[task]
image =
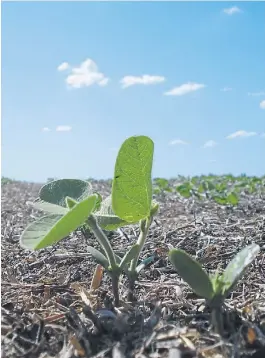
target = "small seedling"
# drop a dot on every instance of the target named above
(213, 288)
(71, 204)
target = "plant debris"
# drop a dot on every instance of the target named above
(50, 308)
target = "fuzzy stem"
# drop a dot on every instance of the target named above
(144, 227)
(102, 239)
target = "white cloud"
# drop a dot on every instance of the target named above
(178, 142)
(63, 66)
(263, 135)
(128, 81)
(226, 89)
(232, 10)
(86, 75)
(212, 160)
(184, 89)
(209, 144)
(262, 104)
(256, 94)
(241, 134)
(63, 129)
(45, 129)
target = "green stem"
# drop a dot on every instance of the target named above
(102, 239)
(144, 227)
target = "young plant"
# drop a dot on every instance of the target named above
(70, 204)
(213, 288)
(161, 186)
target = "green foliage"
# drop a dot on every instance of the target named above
(5, 180)
(132, 183)
(185, 189)
(224, 190)
(237, 267)
(192, 272)
(56, 191)
(70, 204)
(213, 288)
(106, 217)
(48, 230)
(161, 185)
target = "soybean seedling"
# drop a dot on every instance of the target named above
(70, 204)
(213, 288)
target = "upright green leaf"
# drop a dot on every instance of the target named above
(48, 230)
(237, 267)
(132, 183)
(56, 191)
(191, 272)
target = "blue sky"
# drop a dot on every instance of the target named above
(79, 78)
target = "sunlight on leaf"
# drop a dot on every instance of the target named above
(48, 230)
(132, 184)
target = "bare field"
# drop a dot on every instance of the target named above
(48, 309)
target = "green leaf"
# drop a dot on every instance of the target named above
(220, 200)
(237, 267)
(106, 218)
(232, 198)
(161, 183)
(201, 188)
(130, 254)
(132, 184)
(210, 185)
(191, 272)
(48, 230)
(99, 257)
(70, 203)
(98, 203)
(48, 207)
(184, 190)
(56, 191)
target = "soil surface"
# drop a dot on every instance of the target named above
(49, 309)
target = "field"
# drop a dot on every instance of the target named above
(49, 308)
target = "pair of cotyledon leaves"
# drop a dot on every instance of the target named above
(69, 202)
(204, 286)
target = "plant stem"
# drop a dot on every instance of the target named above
(102, 239)
(131, 284)
(115, 289)
(144, 227)
(217, 320)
